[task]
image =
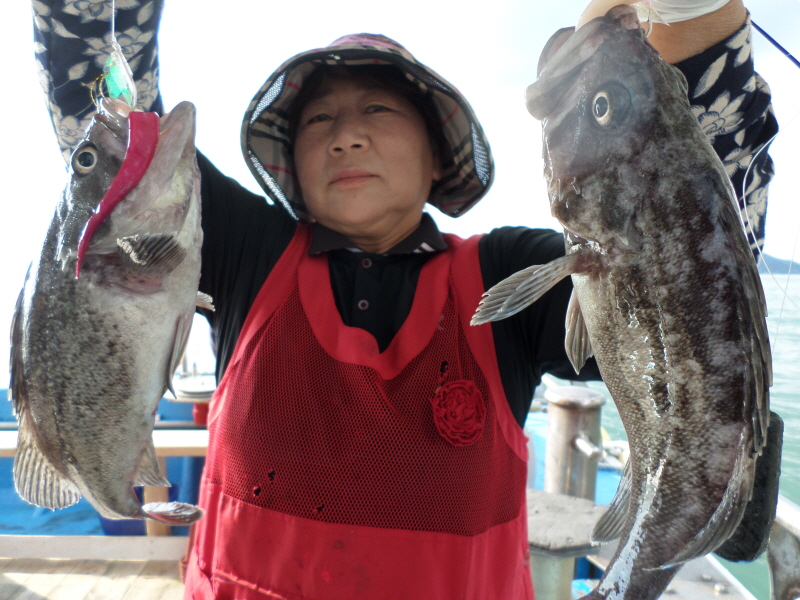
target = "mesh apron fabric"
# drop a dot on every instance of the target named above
(337, 443)
(326, 480)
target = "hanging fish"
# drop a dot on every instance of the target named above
(667, 296)
(104, 315)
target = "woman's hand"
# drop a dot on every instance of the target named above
(691, 25)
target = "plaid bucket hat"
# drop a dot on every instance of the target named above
(468, 170)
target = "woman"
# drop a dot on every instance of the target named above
(365, 442)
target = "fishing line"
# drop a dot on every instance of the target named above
(746, 221)
(774, 42)
(117, 74)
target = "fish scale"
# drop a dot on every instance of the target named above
(666, 295)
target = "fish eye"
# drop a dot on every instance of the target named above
(84, 159)
(600, 107)
(611, 104)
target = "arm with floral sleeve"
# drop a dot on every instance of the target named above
(732, 103)
(710, 42)
(72, 41)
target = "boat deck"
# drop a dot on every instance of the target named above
(49, 579)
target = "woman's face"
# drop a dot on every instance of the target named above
(364, 162)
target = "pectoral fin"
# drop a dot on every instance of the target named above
(154, 255)
(577, 342)
(205, 301)
(522, 289)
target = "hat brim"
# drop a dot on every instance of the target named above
(469, 169)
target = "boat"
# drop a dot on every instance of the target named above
(81, 555)
(72, 554)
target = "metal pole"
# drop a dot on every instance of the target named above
(573, 441)
(573, 452)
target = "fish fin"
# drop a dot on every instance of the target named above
(728, 515)
(183, 326)
(174, 513)
(522, 289)
(759, 374)
(35, 478)
(17, 391)
(753, 327)
(577, 342)
(205, 301)
(610, 525)
(148, 472)
(154, 255)
(752, 535)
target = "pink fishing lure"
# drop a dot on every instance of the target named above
(143, 130)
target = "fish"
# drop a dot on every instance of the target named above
(104, 315)
(666, 295)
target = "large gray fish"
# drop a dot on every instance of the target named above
(667, 295)
(93, 354)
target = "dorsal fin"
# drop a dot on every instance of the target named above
(35, 478)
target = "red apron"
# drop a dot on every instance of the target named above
(336, 472)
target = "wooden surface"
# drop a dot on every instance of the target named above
(42, 579)
(560, 526)
(168, 442)
(93, 547)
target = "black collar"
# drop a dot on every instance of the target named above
(425, 238)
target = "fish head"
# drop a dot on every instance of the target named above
(92, 213)
(606, 100)
(92, 167)
(164, 188)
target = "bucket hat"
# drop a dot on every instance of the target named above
(267, 149)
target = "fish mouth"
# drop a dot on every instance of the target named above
(113, 115)
(175, 140)
(576, 240)
(155, 148)
(563, 199)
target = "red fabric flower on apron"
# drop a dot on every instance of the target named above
(459, 412)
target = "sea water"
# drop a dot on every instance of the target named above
(783, 304)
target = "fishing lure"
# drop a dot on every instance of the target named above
(143, 129)
(118, 76)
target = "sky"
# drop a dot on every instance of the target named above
(218, 58)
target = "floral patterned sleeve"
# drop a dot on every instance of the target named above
(72, 41)
(732, 103)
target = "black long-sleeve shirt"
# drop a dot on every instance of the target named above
(245, 237)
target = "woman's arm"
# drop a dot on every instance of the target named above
(691, 26)
(72, 45)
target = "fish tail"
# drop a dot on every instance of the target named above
(173, 513)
